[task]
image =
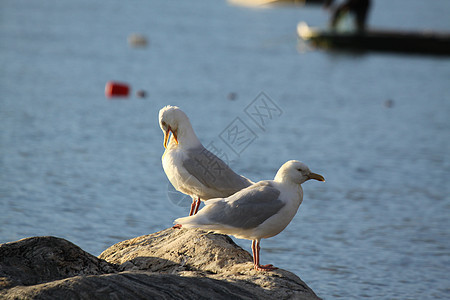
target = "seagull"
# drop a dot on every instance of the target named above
(190, 167)
(257, 212)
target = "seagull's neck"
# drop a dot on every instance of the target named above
(282, 178)
(293, 192)
(289, 184)
(187, 137)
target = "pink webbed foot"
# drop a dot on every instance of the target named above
(177, 226)
(255, 249)
(265, 268)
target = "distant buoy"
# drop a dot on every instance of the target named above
(137, 40)
(116, 89)
(389, 103)
(141, 94)
(232, 96)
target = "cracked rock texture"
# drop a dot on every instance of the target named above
(170, 264)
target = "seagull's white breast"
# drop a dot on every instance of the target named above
(172, 162)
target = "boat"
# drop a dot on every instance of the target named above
(418, 42)
(272, 3)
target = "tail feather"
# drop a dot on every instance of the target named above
(191, 221)
(205, 224)
(183, 221)
(197, 221)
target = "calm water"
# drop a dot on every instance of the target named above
(78, 166)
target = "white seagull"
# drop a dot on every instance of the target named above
(190, 167)
(257, 212)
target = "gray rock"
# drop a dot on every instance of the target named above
(42, 259)
(170, 264)
(134, 285)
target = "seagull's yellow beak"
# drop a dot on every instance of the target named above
(316, 177)
(167, 134)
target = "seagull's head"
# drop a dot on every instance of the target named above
(169, 121)
(173, 120)
(296, 172)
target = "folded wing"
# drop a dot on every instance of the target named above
(212, 172)
(246, 209)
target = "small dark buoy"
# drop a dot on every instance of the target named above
(232, 96)
(116, 89)
(389, 103)
(141, 94)
(137, 40)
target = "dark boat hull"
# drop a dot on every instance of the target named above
(379, 40)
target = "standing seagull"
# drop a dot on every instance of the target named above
(260, 211)
(191, 168)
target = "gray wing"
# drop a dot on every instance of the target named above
(212, 172)
(247, 208)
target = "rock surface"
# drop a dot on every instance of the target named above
(42, 259)
(170, 264)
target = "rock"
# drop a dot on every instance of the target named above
(171, 251)
(42, 259)
(170, 264)
(133, 285)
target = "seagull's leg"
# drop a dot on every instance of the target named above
(191, 212)
(197, 205)
(259, 267)
(178, 226)
(254, 252)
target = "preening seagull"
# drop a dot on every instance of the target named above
(259, 211)
(190, 167)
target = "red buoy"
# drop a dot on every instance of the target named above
(116, 89)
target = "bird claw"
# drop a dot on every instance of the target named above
(265, 268)
(177, 226)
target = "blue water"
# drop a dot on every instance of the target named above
(79, 166)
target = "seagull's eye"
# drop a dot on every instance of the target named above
(300, 170)
(163, 123)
